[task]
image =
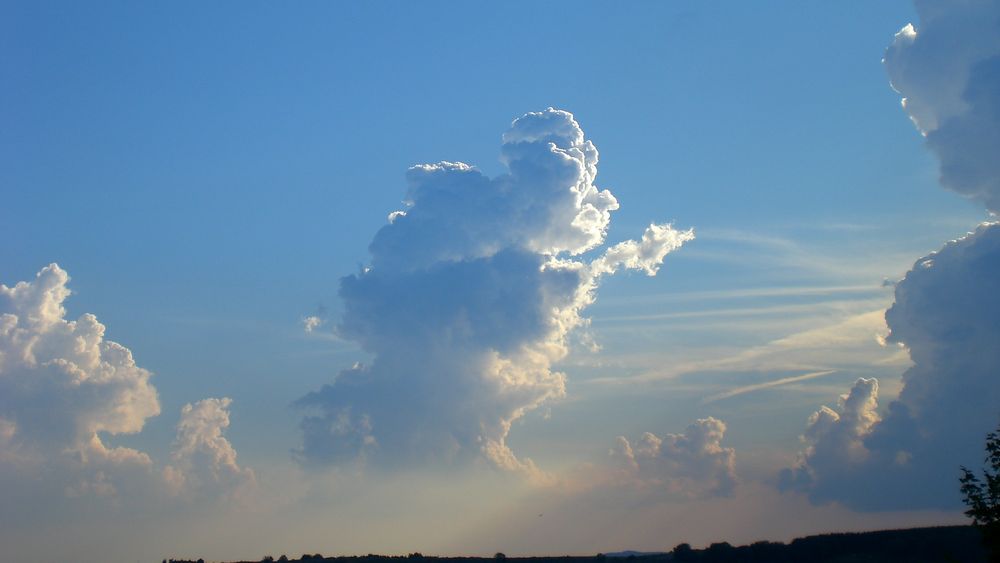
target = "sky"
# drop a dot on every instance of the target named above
(387, 277)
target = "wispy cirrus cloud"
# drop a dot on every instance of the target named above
(766, 385)
(855, 341)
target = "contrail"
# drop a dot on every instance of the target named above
(765, 385)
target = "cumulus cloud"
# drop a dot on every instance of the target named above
(948, 72)
(468, 299)
(62, 386)
(64, 389)
(945, 313)
(202, 458)
(646, 254)
(311, 323)
(946, 308)
(692, 464)
(834, 438)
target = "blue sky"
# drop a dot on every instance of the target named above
(206, 174)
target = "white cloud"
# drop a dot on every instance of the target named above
(62, 386)
(203, 459)
(948, 72)
(311, 323)
(468, 300)
(692, 464)
(64, 389)
(645, 255)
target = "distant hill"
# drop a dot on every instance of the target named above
(959, 544)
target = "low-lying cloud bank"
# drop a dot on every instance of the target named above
(64, 389)
(468, 300)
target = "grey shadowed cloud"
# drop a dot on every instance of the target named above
(471, 292)
(948, 72)
(946, 308)
(946, 314)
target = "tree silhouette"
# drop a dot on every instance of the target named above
(683, 552)
(982, 496)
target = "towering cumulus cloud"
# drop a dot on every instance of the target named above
(948, 72)
(202, 457)
(471, 292)
(62, 385)
(947, 314)
(947, 308)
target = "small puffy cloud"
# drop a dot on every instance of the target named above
(948, 72)
(645, 255)
(62, 386)
(311, 323)
(468, 300)
(692, 464)
(202, 458)
(945, 313)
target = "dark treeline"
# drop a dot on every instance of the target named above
(962, 544)
(940, 544)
